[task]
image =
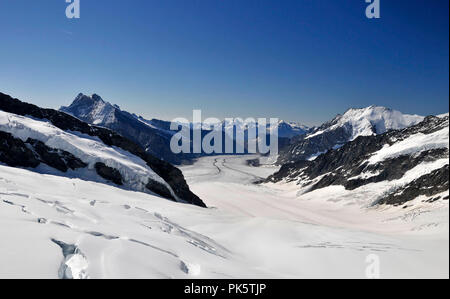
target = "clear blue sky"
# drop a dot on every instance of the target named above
(299, 60)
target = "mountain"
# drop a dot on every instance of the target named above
(155, 135)
(393, 168)
(51, 141)
(291, 129)
(343, 128)
(285, 129)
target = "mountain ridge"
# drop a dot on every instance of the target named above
(155, 135)
(64, 125)
(415, 157)
(344, 128)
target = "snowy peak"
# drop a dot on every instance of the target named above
(92, 109)
(369, 121)
(84, 100)
(97, 98)
(372, 120)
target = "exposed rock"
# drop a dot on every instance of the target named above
(109, 173)
(429, 185)
(388, 170)
(302, 148)
(15, 153)
(159, 188)
(55, 158)
(253, 162)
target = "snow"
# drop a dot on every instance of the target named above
(134, 171)
(362, 121)
(76, 265)
(250, 231)
(413, 144)
(230, 190)
(365, 175)
(315, 134)
(365, 195)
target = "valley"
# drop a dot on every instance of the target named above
(247, 231)
(80, 201)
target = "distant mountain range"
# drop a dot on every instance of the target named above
(296, 142)
(50, 141)
(155, 135)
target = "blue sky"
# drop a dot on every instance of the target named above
(299, 60)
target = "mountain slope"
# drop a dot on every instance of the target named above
(391, 168)
(343, 128)
(32, 135)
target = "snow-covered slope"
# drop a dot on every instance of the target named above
(347, 127)
(134, 171)
(57, 227)
(54, 142)
(392, 168)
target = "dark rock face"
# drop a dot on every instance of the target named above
(302, 149)
(388, 170)
(16, 153)
(55, 158)
(109, 173)
(438, 179)
(253, 162)
(172, 175)
(159, 188)
(343, 166)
